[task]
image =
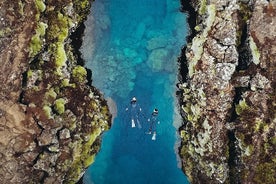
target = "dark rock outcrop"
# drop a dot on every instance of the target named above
(227, 94)
(51, 119)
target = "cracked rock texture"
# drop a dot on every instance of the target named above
(227, 92)
(51, 118)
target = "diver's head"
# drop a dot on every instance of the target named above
(133, 100)
(155, 111)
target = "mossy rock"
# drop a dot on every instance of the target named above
(242, 106)
(59, 106)
(40, 5)
(37, 39)
(265, 173)
(79, 73)
(48, 111)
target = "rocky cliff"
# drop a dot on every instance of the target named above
(227, 92)
(51, 118)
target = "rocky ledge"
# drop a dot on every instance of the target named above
(227, 92)
(51, 118)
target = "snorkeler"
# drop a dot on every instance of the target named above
(135, 110)
(153, 120)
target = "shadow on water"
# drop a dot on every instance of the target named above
(132, 49)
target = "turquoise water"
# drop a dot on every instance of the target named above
(132, 49)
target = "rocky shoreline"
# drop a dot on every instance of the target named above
(227, 92)
(51, 116)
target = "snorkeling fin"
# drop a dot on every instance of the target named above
(153, 137)
(139, 125)
(132, 123)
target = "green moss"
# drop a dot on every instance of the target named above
(202, 8)
(74, 172)
(197, 28)
(51, 94)
(61, 57)
(72, 125)
(66, 83)
(83, 7)
(105, 110)
(82, 155)
(245, 11)
(249, 150)
(89, 161)
(40, 8)
(36, 45)
(48, 111)
(59, 105)
(60, 25)
(198, 41)
(266, 128)
(241, 107)
(37, 39)
(40, 5)
(259, 125)
(5, 32)
(194, 100)
(254, 51)
(58, 32)
(21, 8)
(183, 135)
(63, 23)
(265, 173)
(79, 73)
(29, 74)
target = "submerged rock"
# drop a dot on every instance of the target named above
(227, 93)
(157, 59)
(51, 118)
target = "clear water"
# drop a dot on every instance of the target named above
(132, 49)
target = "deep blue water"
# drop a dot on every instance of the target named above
(132, 49)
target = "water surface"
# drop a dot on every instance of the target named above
(132, 49)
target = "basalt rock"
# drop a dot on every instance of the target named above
(227, 92)
(51, 118)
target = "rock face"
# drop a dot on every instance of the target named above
(51, 118)
(227, 92)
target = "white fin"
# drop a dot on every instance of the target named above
(132, 123)
(153, 137)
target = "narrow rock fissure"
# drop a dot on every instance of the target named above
(244, 58)
(233, 161)
(244, 53)
(234, 151)
(76, 42)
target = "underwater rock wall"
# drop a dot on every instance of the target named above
(51, 118)
(227, 92)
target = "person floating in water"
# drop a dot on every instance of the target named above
(153, 120)
(135, 111)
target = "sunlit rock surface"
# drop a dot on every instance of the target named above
(227, 92)
(50, 116)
